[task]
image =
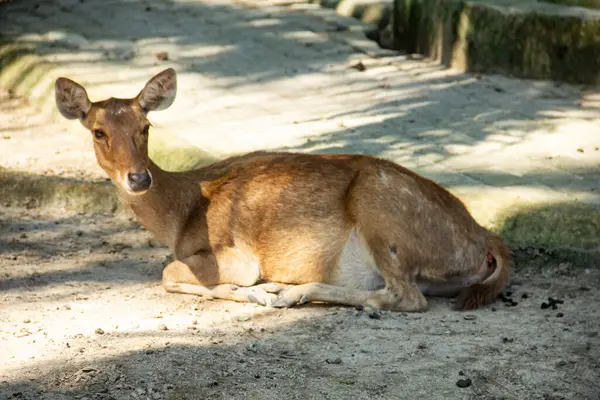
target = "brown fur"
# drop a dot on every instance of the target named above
(485, 292)
(347, 229)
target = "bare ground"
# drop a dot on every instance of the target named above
(83, 315)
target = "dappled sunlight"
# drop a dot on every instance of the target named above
(126, 320)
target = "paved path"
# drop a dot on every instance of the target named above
(255, 75)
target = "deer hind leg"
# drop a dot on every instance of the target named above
(323, 292)
(384, 299)
(403, 292)
(200, 275)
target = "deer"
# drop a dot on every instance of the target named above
(283, 229)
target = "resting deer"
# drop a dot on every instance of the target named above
(282, 229)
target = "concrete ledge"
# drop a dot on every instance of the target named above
(570, 227)
(376, 12)
(578, 3)
(528, 40)
(35, 191)
(28, 75)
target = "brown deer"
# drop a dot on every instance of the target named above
(282, 229)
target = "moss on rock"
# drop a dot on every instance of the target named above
(524, 40)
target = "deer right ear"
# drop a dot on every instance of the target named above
(71, 99)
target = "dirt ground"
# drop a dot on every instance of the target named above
(83, 315)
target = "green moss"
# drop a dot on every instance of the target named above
(24, 72)
(565, 225)
(487, 37)
(577, 3)
(172, 153)
(19, 188)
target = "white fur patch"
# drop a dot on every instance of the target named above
(357, 268)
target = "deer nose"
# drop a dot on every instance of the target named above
(139, 181)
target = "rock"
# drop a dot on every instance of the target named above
(162, 327)
(99, 331)
(463, 383)
(359, 66)
(336, 360)
(375, 315)
(470, 317)
(162, 56)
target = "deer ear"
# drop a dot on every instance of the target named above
(71, 99)
(159, 93)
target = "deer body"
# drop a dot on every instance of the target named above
(282, 228)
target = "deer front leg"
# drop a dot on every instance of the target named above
(201, 275)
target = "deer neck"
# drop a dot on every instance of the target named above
(163, 209)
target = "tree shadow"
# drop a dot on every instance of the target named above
(449, 128)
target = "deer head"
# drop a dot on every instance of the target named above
(120, 127)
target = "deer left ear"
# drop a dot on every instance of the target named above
(159, 93)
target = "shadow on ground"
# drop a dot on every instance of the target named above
(221, 40)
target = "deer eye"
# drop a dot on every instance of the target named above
(99, 134)
(146, 131)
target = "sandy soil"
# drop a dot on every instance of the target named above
(83, 315)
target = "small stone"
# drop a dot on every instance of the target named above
(580, 150)
(375, 315)
(79, 233)
(463, 383)
(561, 363)
(336, 360)
(507, 340)
(460, 373)
(99, 331)
(524, 296)
(359, 66)
(560, 315)
(470, 317)
(162, 56)
(544, 306)
(243, 318)
(27, 321)
(163, 327)
(23, 236)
